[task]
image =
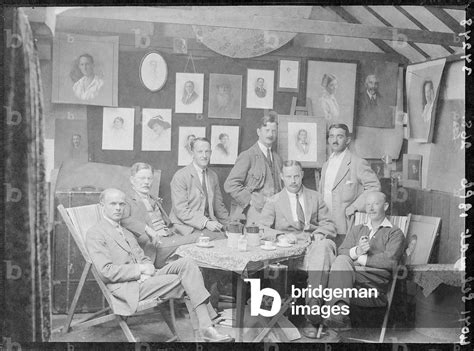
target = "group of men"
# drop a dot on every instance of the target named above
(265, 191)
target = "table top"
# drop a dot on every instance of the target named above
(230, 259)
(430, 276)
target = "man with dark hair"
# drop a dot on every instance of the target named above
(196, 197)
(345, 179)
(302, 214)
(366, 259)
(130, 275)
(255, 175)
(88, 85)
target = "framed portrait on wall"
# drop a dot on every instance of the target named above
(423, 80)
(288, 76)
(189, 92)
(153, 71)
(260, 88)
(412, 170)
(118, 128)
(225, 96)
(302, 138)
(185, 136)
(85, 70)
(156, 129)
(224, 144)
(331, 86)
(70, 142)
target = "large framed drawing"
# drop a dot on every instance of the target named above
(85, 70)
(225, 96)
(331, 88)
(156, 129)
(189, 92)
(224, 144)
(185, 136)
(302, 138)
(260, 88)
(153, 71)
(423, 81)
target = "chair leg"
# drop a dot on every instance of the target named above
(126, 329)
(193, 318)
(77, 294)
(170, 319)
(389, 305)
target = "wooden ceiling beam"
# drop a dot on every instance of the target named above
(211, 17)
(444, 17)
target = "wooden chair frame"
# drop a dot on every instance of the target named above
(107, 314)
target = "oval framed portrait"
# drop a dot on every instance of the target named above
(153, 71)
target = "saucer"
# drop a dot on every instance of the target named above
(284, 245)
(208, 245)
(268, 248)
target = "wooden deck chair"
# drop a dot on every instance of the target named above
(78, 221)
(402, 222)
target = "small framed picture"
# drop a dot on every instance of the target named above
(288, 76)
(225, 96)
(153, 71)
(156, 129)
(117, 129)
(224, 144)
(189, 92)
(185, 136)
(412, 170)
(260, 88)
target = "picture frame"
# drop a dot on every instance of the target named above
(185, 134)
(412, 171)
(260, 88)
(422, 85)
(70, 142)
(378, 168)
(85, 70)
(153, 71)
(288, 75)
(189, 93)
(290, 139)
(330, 100)
(156, 129)
(225, 96)
(224, 144)
(118, 128)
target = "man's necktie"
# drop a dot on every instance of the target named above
(204, 188)
(269, 157)
(299, 212)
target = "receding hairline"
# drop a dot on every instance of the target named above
(107, 192)
(377, 193)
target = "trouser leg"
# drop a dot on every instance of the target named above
(342, 275)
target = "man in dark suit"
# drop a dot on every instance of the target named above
(373, 109)
(130, 275)
(146, 218)
(189, 94)
(302, 214)
(366, 258)
(255, 176)
(197, 204)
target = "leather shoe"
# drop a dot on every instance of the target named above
(210, 334)
(309, 330)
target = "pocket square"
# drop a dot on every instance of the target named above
(349, 182)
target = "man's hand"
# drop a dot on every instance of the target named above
(257, 200)
(159, 224)
(154, 235)
(214, 226)
(363, 246)
(309, 227)
(291, 238)
(143, 277)
(147, 269)
(350, 210)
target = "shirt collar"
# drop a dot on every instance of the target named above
(371, 96)
(198, 169)
(115, 224)
(341, 155)
(263, 148)
(300, 193)
(385, 223)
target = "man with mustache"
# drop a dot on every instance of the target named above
(345, 179)
(255, 175)
(196, 197)
(301, 214)
(373, 109)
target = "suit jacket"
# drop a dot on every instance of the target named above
(248, 176)
(188, 200)
(386, 246)
(189, 99)
(117, 261)
(277, 213)
(353, 180)
(136, 218)
(374, 113)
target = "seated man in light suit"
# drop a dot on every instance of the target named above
(301, 210)
(366, 258)
(130, 275)
(146, 218)
(197, 204)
